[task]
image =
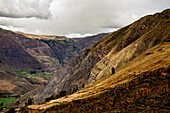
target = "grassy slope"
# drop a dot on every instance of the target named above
(43, 36)
(147, 92)
(159, 58)
(151, 31)
(6, 101)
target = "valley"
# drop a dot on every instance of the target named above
(123, 71)
(27, 63)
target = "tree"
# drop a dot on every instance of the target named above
(113, 70)
(49, 98)
(12, 110)
(30, 101)
(2, 104)
(17, 103)
(62, 93)
(33, 72)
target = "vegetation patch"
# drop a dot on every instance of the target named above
(147, 92)
(31, 74)
(4, 102)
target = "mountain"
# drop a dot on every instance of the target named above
(29, 61)
(13, 55)
(141, 47)
(141, 85)
(57, 50)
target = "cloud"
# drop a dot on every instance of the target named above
(25, 8)
(76, 17)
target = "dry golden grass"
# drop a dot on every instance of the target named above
(158, 58)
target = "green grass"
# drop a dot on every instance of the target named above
(46, 75)
(6, 101)
(41, 75)
(22, 73)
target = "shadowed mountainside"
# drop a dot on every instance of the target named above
(56, 51)
(13, 55)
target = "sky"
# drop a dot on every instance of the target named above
(74, 18)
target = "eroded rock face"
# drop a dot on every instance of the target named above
(156, 32)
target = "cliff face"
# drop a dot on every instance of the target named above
(115, 50)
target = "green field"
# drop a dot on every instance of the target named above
(38, 74)
(6, 101)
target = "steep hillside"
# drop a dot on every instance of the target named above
(55, 51)
(13, 55)
(29, 61)
(12, 83)
(156, 34)
(140, 85)
(111, 53)
(148, 92)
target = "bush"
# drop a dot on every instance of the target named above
(49, 98)
(23, 110)
(1, 104)
(52, 97)
(30, 101)
(33, 72)
(12, 110)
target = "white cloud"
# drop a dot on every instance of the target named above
(25, 8)
(76, 17)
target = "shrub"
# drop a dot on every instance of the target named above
(33, 72)
(12, 110)
(30, 101)
(49, 98)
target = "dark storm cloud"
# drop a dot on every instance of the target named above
(25, 8)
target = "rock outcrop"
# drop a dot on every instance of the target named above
(150, 30)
